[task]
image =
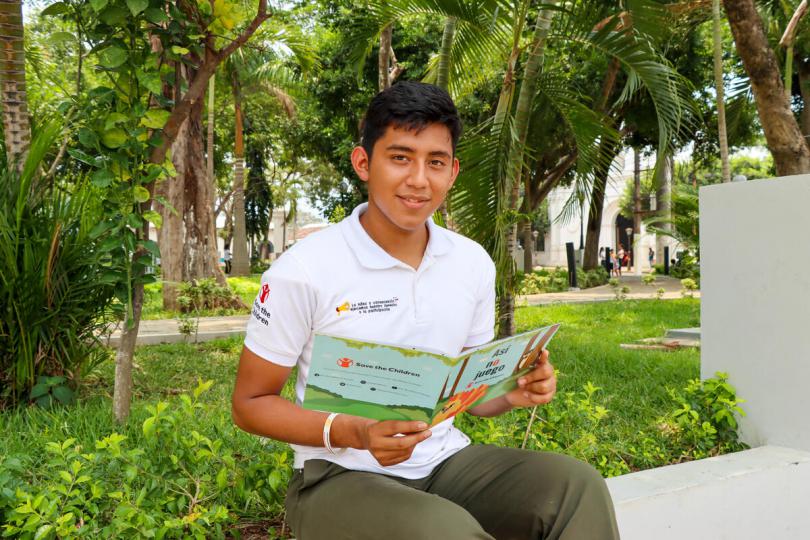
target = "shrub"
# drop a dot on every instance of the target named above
(689, 287)
(204, 294)
(56, 283)
(704, 424)
(180, 477)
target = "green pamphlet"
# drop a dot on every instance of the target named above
(386, 382)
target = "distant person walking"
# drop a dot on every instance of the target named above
(619, 260)
(651, 256)
(226, 256)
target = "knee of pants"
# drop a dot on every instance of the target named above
(572, 480)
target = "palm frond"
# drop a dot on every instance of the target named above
(647, 69)
(483, 31)
(478, 197)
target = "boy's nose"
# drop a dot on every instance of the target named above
(418, 176)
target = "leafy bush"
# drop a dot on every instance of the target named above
(205, 294)
(56, 284)
(179, 478)
(704, 424)
(689, 287)
(701, 424)
(556, 280)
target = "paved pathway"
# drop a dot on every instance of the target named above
(165, 330)
(638, 291)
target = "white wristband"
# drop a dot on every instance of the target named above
(327, 426)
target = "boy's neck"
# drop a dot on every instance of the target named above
(406, 246)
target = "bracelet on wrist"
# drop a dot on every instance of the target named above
(327, 427)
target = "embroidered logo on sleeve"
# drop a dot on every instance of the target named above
(364, 307)
(264, 293)
(259, 312)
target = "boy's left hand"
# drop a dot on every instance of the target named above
(537, 387)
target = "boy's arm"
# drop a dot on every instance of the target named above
(535, 388)
(257, 407)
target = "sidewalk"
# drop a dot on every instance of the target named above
(165, 330)
(638, 291)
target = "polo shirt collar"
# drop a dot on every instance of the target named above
(371, 255)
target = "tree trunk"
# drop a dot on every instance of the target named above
(209, 147)
(663, 198)
(442, 81)
(804, 88)
(187, 239)
(241, 260)
(122, 387)
(201, 255)
(791, 154)
(16, 124)
(636, 254)
(525, 226)
(171, 233)
(384, 58)
(528, 86)
(443, 72)
(594, 227)
(717, 39)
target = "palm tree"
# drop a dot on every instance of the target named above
(16, 124)
(791, 154)
(717, 41)
(259, 68)
(486, 197)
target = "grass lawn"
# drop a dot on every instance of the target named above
(633, 383)
(586, 350)
(246, 287)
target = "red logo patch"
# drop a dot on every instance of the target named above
(345, 362)
(265, 293)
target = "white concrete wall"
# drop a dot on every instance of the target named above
(755, 307)
(762, 493)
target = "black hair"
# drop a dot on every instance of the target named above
(409, 105)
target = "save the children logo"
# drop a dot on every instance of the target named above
(264, 293)
(345, 362)
(364, 307)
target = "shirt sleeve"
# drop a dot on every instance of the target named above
(482, 329)
(280, 323)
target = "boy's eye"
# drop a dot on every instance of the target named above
(437, 163)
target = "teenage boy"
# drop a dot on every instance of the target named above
(357, 478)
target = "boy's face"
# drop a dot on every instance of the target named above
(409, 173)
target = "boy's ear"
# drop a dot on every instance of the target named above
(360, 162)
(454, 173)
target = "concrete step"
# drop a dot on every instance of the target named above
(757, 493)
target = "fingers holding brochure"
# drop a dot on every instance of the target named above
(393, 441)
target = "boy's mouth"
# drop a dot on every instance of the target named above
(414, 203)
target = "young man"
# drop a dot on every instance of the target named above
(357, 478)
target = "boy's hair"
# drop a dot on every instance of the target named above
(409, 105)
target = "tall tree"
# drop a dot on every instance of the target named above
(785, 140)
(180, 110)
(717, 42)
(16, 124)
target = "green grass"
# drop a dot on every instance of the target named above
(586, 349)
(245, 287)
(633, 382)
(633, 389)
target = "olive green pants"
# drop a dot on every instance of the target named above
(480, 492)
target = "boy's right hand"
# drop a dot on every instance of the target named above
(383, 441)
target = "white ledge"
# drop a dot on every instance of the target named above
(758, 493)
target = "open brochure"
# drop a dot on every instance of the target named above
(386, 382)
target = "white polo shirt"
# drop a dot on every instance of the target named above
(338, 281)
